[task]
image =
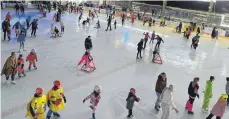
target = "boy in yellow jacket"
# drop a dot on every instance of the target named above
(56, 100)
(37, 106)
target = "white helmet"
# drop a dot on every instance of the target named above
(97, 88)
(33, 50)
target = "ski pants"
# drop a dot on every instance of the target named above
(32, 63)
(189, 104)
(129, 112)
(157, 104)
(211, 115)
(206, 102)
(165, 111)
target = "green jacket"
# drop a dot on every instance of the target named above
(208, 89)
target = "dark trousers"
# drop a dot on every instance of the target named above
(115, 26)
(22, 45)
(146, 39)
(158, 44)
(12, 77)
(8, 35)
(123, 22)
(17, 12)
(33, 32)
(129, 112)
(108, 25)
(191, 100)
(62, 29)
(139, 53)
(228, 100)
(211, 115)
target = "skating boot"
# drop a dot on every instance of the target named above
(29, 68)
(13, 82)
(56, 115)
(190, 112)
(141, 57)
(157, 108)
(35, 67)
(205, 109)
(130, 116)
(24, 74)
(93, 115)
(91, 107)
(48, 117)
(19, 76)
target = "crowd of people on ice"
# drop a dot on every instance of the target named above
(55, 98)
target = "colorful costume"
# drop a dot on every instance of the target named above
(20, 67)
(207, 94)
(37, 105)
(32, 57)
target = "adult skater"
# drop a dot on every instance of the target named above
(115, 23)
(56, 100)
(123, 18)
(21, 39)
(227, 90)
(37, 105)
(207, 93)
(109, 22)
(6, 29)
(213, 34)
(167, 102)
(146, 36)
(94, 99)
(193, 93)
(180, 27)
(88, 44)
(131, 98)
(28, 19)
(159, 39)
(198, 30)
(159, 87)
(9, 68)
(219, 108)
(140, 47)
(34, 27)
(17, 7)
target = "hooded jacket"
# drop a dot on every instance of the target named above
(167, 97)
(161, 84)
(208, 89)
(130, 100)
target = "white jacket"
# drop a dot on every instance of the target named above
(167, 97)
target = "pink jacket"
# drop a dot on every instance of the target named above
(94, 100)
(219, 108)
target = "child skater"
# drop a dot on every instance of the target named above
(192, 92)
(32, 57)
(219, 108)
(94, 99)
(207, 93)
(130, 101)
(152, 37)
(21, 39)
(20, 66)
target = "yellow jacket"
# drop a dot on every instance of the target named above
(56, 99)
(37, 106)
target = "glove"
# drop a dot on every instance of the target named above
(65, 99)
(198, 96)
(176, 110)
(84, 100)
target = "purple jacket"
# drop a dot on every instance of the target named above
(219, 108)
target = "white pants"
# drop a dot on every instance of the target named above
(165, 111)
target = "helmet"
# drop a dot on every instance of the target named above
(33, 50)
(20, 55)
(225, 96)
(97, 88)
(39, 90)
(56, 83)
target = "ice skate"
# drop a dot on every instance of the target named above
(13, 82)
(56, 115)
(35, 67)
(29, 68)
(157, 108)
(130, 116)
(93, 115)
(205, 109)
(190, 112)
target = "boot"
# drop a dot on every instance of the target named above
(56, 115)
(35, 67)
(190, 112)
(29, 68)
(93, 115)
(157, 108)
(48, 117)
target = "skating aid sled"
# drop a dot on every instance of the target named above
(88, 65)
(157, 59)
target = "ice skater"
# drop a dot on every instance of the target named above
(227, 90)
(20, 66)
(115, 23)
(88, 44)
(166, 99)
(17, 27)
(160, 86)
(131, 98)
(6, 29)
(193, 93)
(152, 37)
(109, 22)
(56, 100)
(94, 99)
(140, 47)
(207, 93)
(21, 39)
(194, 40)
(32, 58)
(159, 40)
(62, 26)
(145, 39)
(97, 25)
(34, 27)
(219, 108)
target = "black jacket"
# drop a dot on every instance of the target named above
(88, 43)
(5, 26)
(192, 91)
(140, 45)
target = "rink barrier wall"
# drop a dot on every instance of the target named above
(170, 24)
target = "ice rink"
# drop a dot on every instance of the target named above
(114, 54)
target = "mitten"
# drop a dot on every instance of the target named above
(65, 99)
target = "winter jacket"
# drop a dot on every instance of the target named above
(130, 100)
(140, 45)
(88, 43)
(31, 57)
(227, 88)
(219, 108)
(95, 97)
(5, 26)
(167, 97)
(193, 90)
(17, 25)
(208, 89)
(10, 66)
(160, 84)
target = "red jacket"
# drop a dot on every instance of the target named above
(31, 57)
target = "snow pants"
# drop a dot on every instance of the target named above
(206, 102)
(165, 111)
(189, 104)
(32, 63)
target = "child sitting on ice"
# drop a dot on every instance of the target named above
(20, 66)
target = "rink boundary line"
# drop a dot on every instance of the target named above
(69, 88)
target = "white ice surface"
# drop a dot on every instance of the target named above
(117, 71)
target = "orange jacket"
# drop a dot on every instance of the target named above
(20, 61)
(31, 57)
